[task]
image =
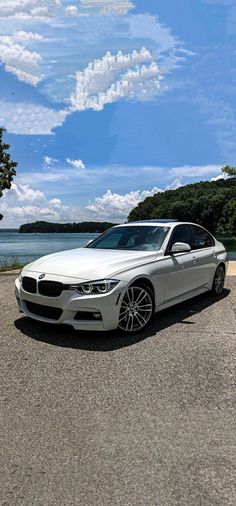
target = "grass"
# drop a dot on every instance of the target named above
(11, 265)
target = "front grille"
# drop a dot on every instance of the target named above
(52, 313)
(29, 284)
(50, 288)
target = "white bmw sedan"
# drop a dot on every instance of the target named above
(124, 276)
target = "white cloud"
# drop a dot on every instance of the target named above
(23, 193)
(111, 206)
(72, 10)
(49, 161)
(27, 36)
(56, 203)
(30, 119)
(36, 213)
(37, 55)
(194, 171)
(118, 7)
(119, 206)
(52, 210)
(24, 64)
(46, 177)
(177, 183)
(34, 205)
(26, 9)
(133, 76)
(23, 9)
(221, 176)
(146, 26)
(78, 164)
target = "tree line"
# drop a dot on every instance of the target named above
(48, 227)
(211, 204)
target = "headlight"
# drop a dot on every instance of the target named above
(95, 287)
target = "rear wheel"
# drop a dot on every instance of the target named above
(137, 308)
(219, 281)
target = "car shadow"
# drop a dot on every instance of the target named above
(66, 337)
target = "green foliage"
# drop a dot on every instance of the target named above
(229, 242)
(211, 204)
(7, 166)
(229, 170)
(46, 227)
(10, 265)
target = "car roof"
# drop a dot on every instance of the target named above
(161, 223)
(151, 222)
(157, 221)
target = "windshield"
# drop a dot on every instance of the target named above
(138, 238)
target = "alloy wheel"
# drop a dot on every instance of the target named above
(219, 280)
(136, 309)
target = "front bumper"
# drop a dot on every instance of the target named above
(70, 303)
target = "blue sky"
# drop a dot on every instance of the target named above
(108, 101)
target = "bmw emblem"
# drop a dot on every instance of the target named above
(42, 276)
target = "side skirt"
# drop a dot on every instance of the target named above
(182, 298)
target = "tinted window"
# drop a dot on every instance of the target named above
(108, 240)
(181, 234)
(143, 238)
(201, 238)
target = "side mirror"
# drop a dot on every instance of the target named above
(180, 247)
(89, 242)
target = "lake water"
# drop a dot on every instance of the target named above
(25, 248)
(28, 247)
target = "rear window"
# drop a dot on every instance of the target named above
(201, 238)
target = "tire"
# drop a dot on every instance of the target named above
(137, 309)
(219, 281)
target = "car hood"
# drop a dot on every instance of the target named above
(90, 264)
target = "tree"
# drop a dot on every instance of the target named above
(7, 166)
(211, 204)
(229, 170)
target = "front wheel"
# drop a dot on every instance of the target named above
(136, 310)
(219, 281)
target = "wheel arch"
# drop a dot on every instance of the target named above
(223, 264)
(143, 280)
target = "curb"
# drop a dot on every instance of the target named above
(7, 273)
(232, 269)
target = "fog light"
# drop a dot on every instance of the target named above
(88, 316)
(97, 316)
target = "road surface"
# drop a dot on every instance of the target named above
(103, 419)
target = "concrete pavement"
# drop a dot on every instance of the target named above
(104, 419)
(232, 269)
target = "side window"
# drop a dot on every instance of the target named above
(201, 239)
(181, 234)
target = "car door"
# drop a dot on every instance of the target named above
(204, 248)
(180, 268)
